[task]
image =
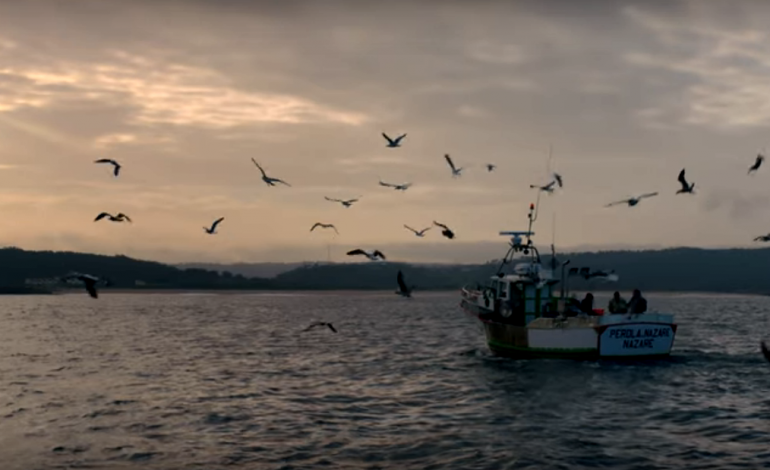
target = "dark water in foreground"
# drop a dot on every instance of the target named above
(174, 381)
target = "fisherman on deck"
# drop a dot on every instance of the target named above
(617, 304)
(637, 304)
(587, 305)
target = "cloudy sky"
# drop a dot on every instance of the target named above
(185, 93)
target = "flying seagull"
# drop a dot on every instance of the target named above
(393, 143)
(455, 171)
(765, 351)
(491, 166)
(547, 188)
(372, 256)
(319, 224)
(112, 218)
(763, 238)
(115, 164)
(686, 187)
(397, 187)
(420, 233)
(402, 287)
(213, 229)
(268, 180)
(757, 163)
(346, 203)
(88, 281)
(446, 232)
(632, 201)
(321, 323)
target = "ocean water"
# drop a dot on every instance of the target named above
(174, 381)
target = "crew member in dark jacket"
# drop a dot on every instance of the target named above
(637, 304)
(587, 305)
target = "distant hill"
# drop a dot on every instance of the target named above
(20, 266)
(676, 269)
(264, 270)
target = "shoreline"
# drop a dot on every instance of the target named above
(76, 291)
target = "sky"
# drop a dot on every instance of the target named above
(184, 93)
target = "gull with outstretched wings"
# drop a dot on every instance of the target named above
(632, 201)
(319, 224)
(374, 255)
(455, 171)
(267, 179)
(213, 229)
(686, 187)
(344, 202)
(419, 233)
(393, 143)
(116, 166)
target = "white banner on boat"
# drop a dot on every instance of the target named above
(636, 339)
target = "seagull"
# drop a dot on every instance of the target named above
(111, 162)
(397, 187)
(763, 238)
(346, 203)
(88, 280)
(446, 232)
(686, 187)
(268, 180)
(320, 323)
(757, 163)
(455, 171)
(632, 201)
(421, 233)
(547, 188)
(112, 218)
(213, 229)
(372, 256)
(491, 166)
(319, 224)
(765, 351)
(393, 143)
(558, 179)
(403, 290)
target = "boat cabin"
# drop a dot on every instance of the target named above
(520, 298)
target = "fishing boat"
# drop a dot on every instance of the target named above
(522, 316)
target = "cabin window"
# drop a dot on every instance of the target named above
(530, 296)
(503, 290)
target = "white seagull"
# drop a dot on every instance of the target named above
(268, 180)
(757, 163)
(547, 188)
(393, 143)
(397, 187)
(403, 289)
(686, 187)
(632, 201)
(420, 233)
(455, 171)
(372, 256)
(88, 281)
(558, 179)
(112, 218)
(213, 229)
(319, 224)
(344, 202)
(115, 164)
(321, 323)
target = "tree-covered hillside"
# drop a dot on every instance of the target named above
(19, 266)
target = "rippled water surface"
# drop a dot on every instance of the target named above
(174, 381)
